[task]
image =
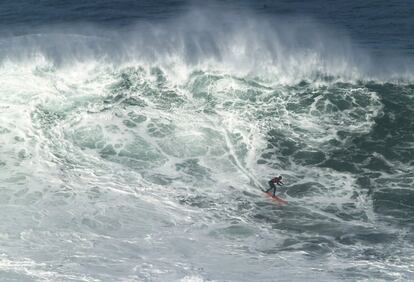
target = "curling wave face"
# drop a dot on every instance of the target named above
(141, 158)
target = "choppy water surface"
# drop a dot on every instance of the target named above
(137, 154)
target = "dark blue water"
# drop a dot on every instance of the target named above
(135, 135)
(377, 25)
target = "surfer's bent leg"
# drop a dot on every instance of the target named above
(272, 186)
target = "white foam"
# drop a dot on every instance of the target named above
(190, 167)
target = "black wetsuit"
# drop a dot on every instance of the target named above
(272, 184)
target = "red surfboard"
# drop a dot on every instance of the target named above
(280, 201)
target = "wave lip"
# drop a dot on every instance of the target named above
(289, 49)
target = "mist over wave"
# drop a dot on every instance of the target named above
(283, 48)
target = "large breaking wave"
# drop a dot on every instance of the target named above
(138, 153)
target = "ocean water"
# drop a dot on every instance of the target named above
(135, 137)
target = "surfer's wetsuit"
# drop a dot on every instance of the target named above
(278, 181)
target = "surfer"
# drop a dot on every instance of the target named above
(272, 182)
